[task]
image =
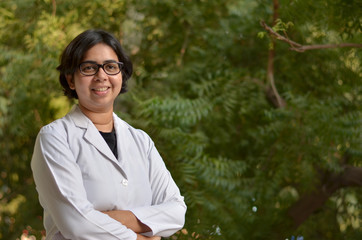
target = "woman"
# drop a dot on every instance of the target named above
(98, 177)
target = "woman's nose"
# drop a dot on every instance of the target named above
(101, 74)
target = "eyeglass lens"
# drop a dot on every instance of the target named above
(89, 69)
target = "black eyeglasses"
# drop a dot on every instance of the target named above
(91, 68)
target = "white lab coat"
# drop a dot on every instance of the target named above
(77, 176)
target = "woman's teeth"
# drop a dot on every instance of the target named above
(101, 89)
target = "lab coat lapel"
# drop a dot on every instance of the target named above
(93, 136)
(122, 133)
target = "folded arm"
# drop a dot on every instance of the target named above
(59, 183)
(128, 219)
(166, 215)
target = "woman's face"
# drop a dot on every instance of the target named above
(97, 93)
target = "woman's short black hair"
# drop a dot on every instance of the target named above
(75, 51)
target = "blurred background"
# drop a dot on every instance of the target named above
(255, 107)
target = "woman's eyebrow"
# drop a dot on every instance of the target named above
(110, 60)
(88, 61)
(105, 61)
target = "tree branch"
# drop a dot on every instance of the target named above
(184, 46)
(272, 92)
(54, 3)
(301, 48)
(323, 46)
(309, 203)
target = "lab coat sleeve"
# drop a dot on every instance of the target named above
(167, 213)
(59, 183)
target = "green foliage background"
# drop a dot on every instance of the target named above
(199, 90)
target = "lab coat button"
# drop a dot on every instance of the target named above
(125, 182)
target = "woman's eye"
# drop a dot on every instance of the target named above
(89, 68)
(112, 67)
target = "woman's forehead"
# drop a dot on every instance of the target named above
(100, 52)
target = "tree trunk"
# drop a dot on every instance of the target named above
(311, 202)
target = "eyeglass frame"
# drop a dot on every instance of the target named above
(120, 65)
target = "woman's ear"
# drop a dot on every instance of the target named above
(70, 81)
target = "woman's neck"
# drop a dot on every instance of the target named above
(102, 120)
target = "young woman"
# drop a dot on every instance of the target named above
(98, 178)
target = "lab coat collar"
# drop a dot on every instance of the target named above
(93, 136)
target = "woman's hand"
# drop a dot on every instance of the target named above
(141, 237)
(128, 219)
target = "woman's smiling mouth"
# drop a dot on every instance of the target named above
(101, 89)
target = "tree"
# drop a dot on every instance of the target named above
(263, 141)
